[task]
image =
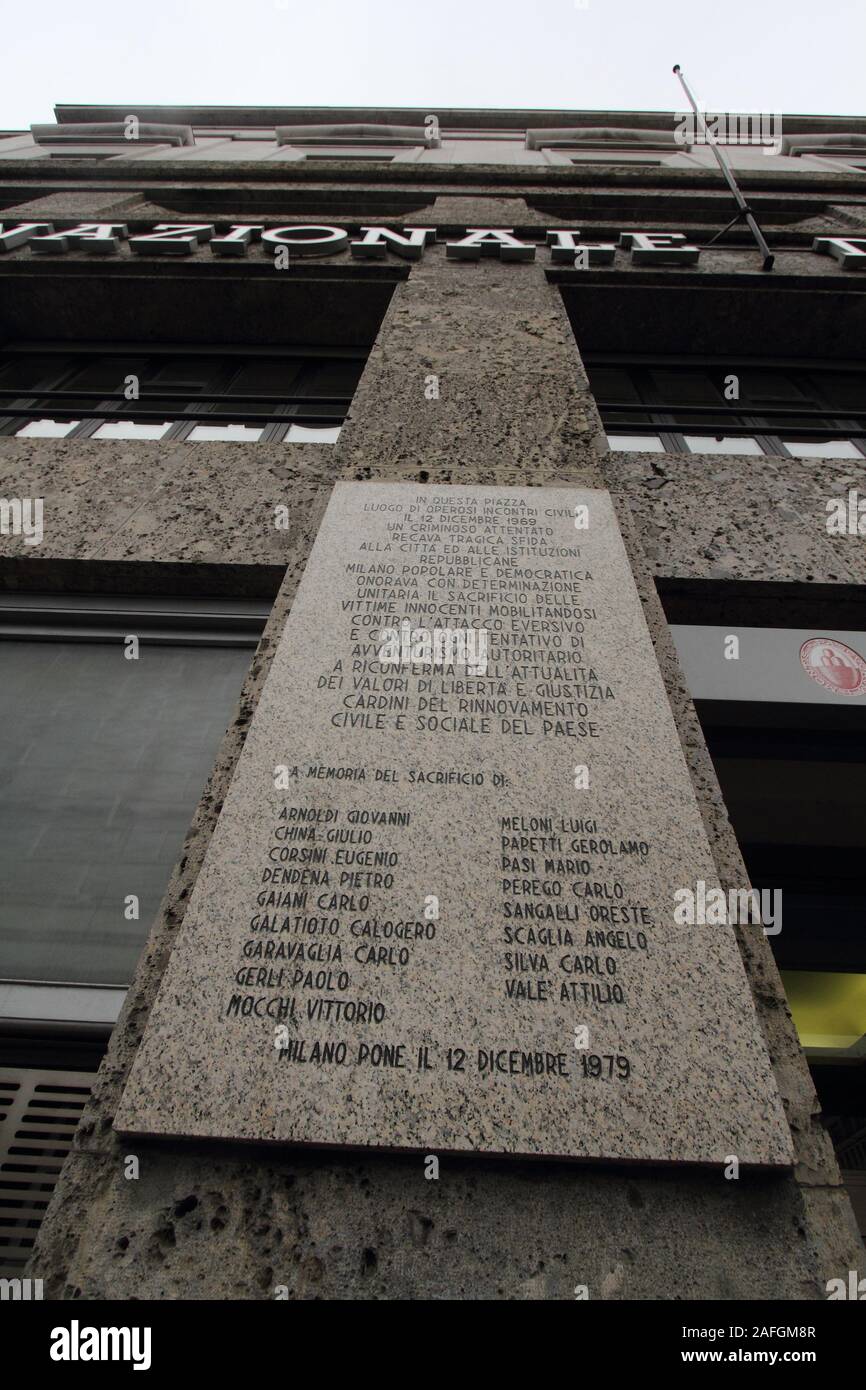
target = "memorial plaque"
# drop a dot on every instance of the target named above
(438, 911)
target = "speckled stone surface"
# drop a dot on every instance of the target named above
(555, 905)
(232, 1221)
(144, 501)
(724, 518)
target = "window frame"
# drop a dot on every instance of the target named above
(58, 1006)
(275, 415)
(664, 418)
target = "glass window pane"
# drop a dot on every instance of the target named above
(102, 763)
(646, 443)
(312, 434)
(841, 389)
(684, 386)
(769, 388)
(188, 378)
(763, 388)
(724, 444)
(680, 387)
(271, 376)
(242, 433)
(185, 373)
(46, 429)
(822, 449)
(612, 385)
(129, 429)
(262, 376)
(104, 373)
(104, 376)
(29, 371)
(329, 378)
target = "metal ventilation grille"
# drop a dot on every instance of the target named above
(38, 1114)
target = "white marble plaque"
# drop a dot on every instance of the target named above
(439, 910)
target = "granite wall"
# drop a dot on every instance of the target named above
(203, 1221)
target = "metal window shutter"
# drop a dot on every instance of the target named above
(38, 1114)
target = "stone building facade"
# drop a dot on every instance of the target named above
(518, 365)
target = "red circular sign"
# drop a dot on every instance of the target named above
(837, 667)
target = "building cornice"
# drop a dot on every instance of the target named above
(132, 172)
(454, 118)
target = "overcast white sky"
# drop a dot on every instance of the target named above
(740, 55)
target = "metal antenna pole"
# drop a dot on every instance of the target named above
(744, 210)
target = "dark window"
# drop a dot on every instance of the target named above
(793, 777)
(790, 754)
(352, 155)
(794, 782)
(786, 408)
(102, 762)
(167, 391)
